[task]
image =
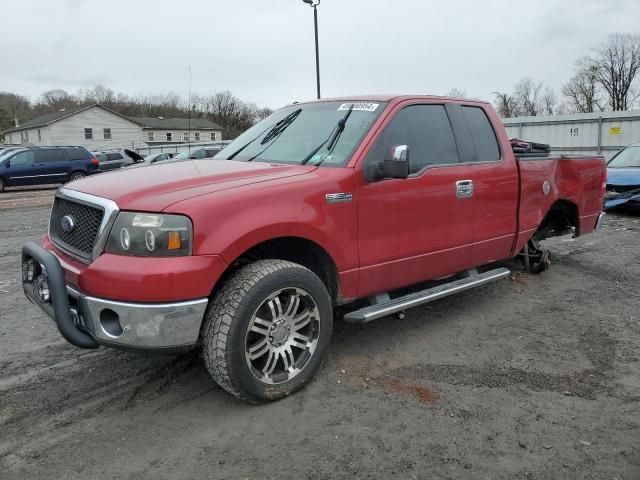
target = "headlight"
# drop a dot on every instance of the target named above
(150, 235)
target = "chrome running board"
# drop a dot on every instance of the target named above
(399, 304)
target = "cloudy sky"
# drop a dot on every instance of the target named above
(262, 50)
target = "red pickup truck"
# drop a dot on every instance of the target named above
(319, 205)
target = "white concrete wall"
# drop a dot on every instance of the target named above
(70, 130)
(579, 134)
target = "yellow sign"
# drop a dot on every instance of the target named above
(615, 131)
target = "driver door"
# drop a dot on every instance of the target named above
(418, 228)
(22, 169)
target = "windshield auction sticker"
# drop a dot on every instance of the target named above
(360, 106)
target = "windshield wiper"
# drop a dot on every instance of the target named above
(275, 132)
(332, 139)
(279, 127)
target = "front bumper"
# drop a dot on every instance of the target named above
(88, 322)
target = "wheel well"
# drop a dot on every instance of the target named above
(294, 249)
(561, 219)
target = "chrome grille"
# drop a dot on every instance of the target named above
(87, 219)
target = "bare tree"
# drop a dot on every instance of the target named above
(57, 99)
(262, 113)
(506, 105)
(549, 101)
(616, 63)
(582, 92)
(15, 105)
(457, 93)
(234, 115)
(528, 96)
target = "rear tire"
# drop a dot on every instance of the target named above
(76, 176)
(266, 331)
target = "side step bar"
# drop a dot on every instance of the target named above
(399, 304)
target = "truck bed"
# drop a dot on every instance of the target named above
(547, 179)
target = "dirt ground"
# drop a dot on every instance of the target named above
(534, 377)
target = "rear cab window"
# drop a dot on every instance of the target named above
(484, 137)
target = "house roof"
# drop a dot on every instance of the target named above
(176, 123)
(49, 118)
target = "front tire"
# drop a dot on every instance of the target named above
(3, 184)
(266, 331)
(76, 176)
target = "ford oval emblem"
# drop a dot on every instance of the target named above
(68, 223)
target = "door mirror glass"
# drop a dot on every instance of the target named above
(398, 165)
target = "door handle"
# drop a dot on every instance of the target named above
(464, 188)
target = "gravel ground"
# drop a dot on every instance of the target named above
(531, 377)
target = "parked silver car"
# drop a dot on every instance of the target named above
(152, 159)
(116, 158)
(197, 153)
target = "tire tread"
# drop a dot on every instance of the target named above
(221, 313)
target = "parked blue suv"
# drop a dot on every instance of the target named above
(44, 165)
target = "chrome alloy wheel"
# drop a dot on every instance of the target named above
(282, 335)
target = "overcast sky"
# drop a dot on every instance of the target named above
(262, 50)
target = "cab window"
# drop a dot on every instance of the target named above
(483, 135)
(53, 155)
(426, 130)
(22, 158)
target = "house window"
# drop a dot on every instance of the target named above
(150, 134)
(196, 136)
(107, 133)
(88, 133)
(213, 136)
(185, 136)
(39, 136)
(168, 136)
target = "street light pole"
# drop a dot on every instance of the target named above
(314, 4)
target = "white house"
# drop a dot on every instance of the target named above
(167, 131)
(98, 128)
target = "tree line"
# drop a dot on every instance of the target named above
(224, 108)
(608, 79)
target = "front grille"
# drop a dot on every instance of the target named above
(86, 226)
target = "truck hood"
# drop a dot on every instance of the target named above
(156, 187)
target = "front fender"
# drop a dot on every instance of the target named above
(232, 221)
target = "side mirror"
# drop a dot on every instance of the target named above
(7, 163)
(397, 166)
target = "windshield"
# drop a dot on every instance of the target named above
(4, 154)
(627, 158)
(292, 133)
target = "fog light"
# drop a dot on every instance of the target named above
(110, 322)
(41, 289)
(28, 270)
(125, 239)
